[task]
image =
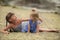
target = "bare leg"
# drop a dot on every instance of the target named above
(48, 30)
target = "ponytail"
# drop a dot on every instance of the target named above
(6, 23)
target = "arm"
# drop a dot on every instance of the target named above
(25, 20)
(40, 19)
(5, 29)
(37, 29)
(28, 27)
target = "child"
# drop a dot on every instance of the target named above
(33, 25)
(14, 23)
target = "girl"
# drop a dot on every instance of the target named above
(14, 23)
(33, 25)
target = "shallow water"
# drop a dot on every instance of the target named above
(50, 20)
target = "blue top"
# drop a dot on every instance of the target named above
(33, 26)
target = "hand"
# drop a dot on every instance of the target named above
(37, 32)
(6, 32)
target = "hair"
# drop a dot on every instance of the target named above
(33, 10)
(35, 15)
(8, 16)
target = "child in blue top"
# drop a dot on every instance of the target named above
(33, 24)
